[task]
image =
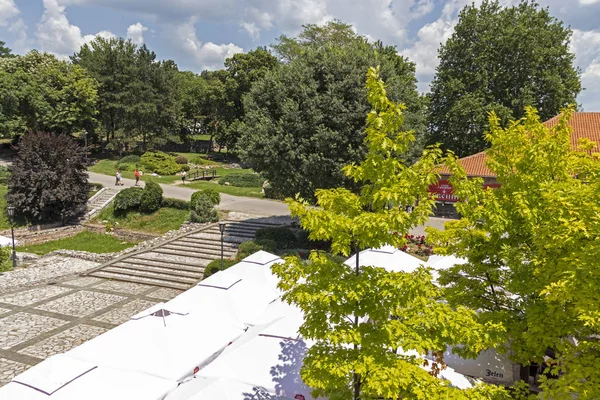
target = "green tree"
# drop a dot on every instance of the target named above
(305, 120)
(499, 59)
(358, 317)
(5, 52)
(48, 179)
(41, 93)
(532, 248)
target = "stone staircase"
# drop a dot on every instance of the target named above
(179, 263)
(99, 201)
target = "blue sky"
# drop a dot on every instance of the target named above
(200, 34)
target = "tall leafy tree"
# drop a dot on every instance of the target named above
(5, 52)
(304, 121)
(499, 59)
(39, 92)
(532, 249)
(48, 179)
(358, 316)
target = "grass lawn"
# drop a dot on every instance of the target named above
(159, 222)
(232, 190)
(84, 241)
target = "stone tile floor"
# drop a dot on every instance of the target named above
(50, 318)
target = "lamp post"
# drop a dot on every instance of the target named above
(222, 229)
(11, 216)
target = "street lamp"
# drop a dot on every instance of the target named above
(11, 216)
(222, 229)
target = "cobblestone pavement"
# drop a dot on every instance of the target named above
(40, 321)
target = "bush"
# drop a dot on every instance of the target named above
(5, 259)
(248, 248)
(131, 159)
(175, 203)
(212, 194)
(181, 160)
(215, 266)
(151, 197)
(127, 199)
(283, 236)
(159, 162)
(204, 211)
(242, 180)
(4, 175)
(185, 167)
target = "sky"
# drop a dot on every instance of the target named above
(200, 34)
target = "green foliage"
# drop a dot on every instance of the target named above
(285, 237)
(48, 178)
(176, 203)
(160, 163)
(215, 266)
(159, 222)
(185, 167)
(130, 159)
(477, 76)
(204, 210)
(128, 199)
(84, 241)
(181, 160)
(5, 52)
(211, 194)
(348, 311)
(250, 247)
(242, 180)
(532, 247)
(4, 175)
(5, 258)
(267, 245)
(151, 199)
(305, 121)
(39, 93)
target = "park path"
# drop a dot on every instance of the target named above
(228, 202)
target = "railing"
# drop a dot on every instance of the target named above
(203, 175)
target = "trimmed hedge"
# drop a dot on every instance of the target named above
(212, 194)
(204, 211)
(127, 199)
(283, 236)
(151, 197)
(159, 162)
(250, 247)
(175, 203)
(242, 180)
(215, 266)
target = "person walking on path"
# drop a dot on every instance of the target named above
(183, 175)
(119, 179)
(137, 177)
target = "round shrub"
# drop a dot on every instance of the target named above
(247, 249)
(212, 194)
(151, 197)
(282, 235)
(185, 167)
(181, 160)
(130, 159)
(215, 266)
(175, 203)
(159, 162)
(242, 180)
(127, 199)
(267, 245)
(204, 211)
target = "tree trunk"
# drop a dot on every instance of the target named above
(356, 378)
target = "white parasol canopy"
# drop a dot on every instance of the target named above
(6, 241)
(387, 257)
(63, 378)
(169, 346)
(489, 366)
(200, 388)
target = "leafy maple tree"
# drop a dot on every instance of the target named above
(348, 311)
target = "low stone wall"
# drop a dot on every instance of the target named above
(27, 237)
(123, 234)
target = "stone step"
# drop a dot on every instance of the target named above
(189, 254)
(199, 250)
(151, 275)
(162, 264)
(188, 264)
(159, 270)
(145, 281)
(230, 232)
(256, 224)
(241, 227)
(236, 240)
(210, 244)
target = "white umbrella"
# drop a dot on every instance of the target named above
(63, 378)
(6, 241)
(200, 388)
(256, 268)
(489, 366)
(387, 257)
(170, 347)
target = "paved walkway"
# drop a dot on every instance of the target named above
(228, 202)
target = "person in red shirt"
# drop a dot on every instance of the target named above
(137, 177)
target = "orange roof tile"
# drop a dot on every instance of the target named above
(585, 125)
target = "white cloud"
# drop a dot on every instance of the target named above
(586, 46)
(10, 19)
(8, 11)
(135, 32)
(56, 35)
(587, 2)
(206, 55)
